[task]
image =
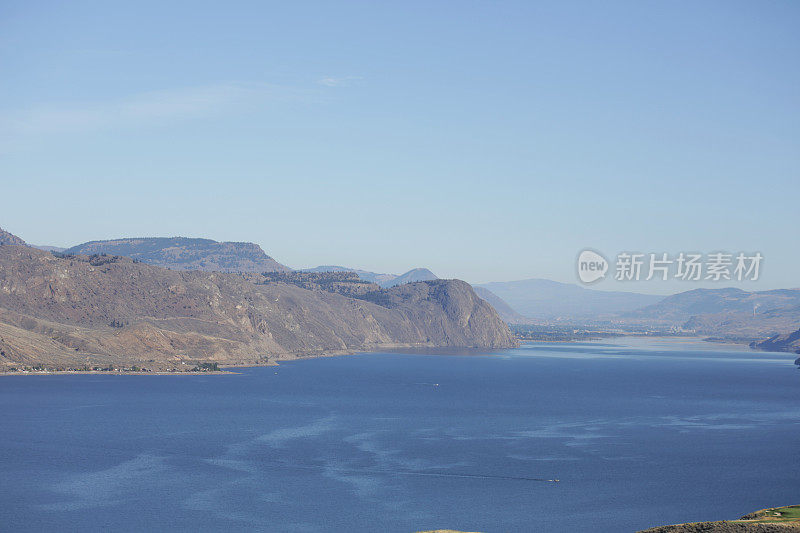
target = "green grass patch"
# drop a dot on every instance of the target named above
(790, 513)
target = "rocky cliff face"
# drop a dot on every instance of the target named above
(447, 313)
(180, 253)
(103, 310)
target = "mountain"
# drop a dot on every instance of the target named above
(46, 248)
(788, 342)
(181, 253)
(9, 238)
(684, 305)
(372, 277)
(338, 281)
(111, 311)
(503, 309)
(384, 280)
(416, 274)
(550, 300)
(746, 326)
(727, 313)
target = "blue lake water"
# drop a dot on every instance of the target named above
(639, 432)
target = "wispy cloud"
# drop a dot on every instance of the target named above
(140, 109)
(338, 81)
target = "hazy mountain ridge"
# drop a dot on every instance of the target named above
(727, 312)
(544, 299)
(384, 280)
(413, 275)
(506, 312)
(372, 277)
(183, 253)
(47, 248)
(684, 305)
(74, 311)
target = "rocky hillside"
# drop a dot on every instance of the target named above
(725, 527)
(727, 313)
(746, 325)
(788, 342)
(99, 311)
(681, 307)
(181, 253)
(9, 238)
(340, 282)
(772, 520)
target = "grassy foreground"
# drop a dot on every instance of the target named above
(788, 514)
(772, 520)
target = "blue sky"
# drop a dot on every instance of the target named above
(484, 140)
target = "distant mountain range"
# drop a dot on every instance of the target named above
(414, 275)
(384, 280)
(372, 277)
(542, 299)
(182, 253)
(503, 309)
(725, 313)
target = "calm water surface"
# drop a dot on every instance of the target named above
(639, 432)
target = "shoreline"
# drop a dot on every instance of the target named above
(676, 338)
(230, 369)
(223, 367)
(118, 373)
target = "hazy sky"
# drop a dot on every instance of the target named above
(484, 140)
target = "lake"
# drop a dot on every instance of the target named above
(638, 432)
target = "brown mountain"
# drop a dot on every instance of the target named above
(182, 253)
(104, 311)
